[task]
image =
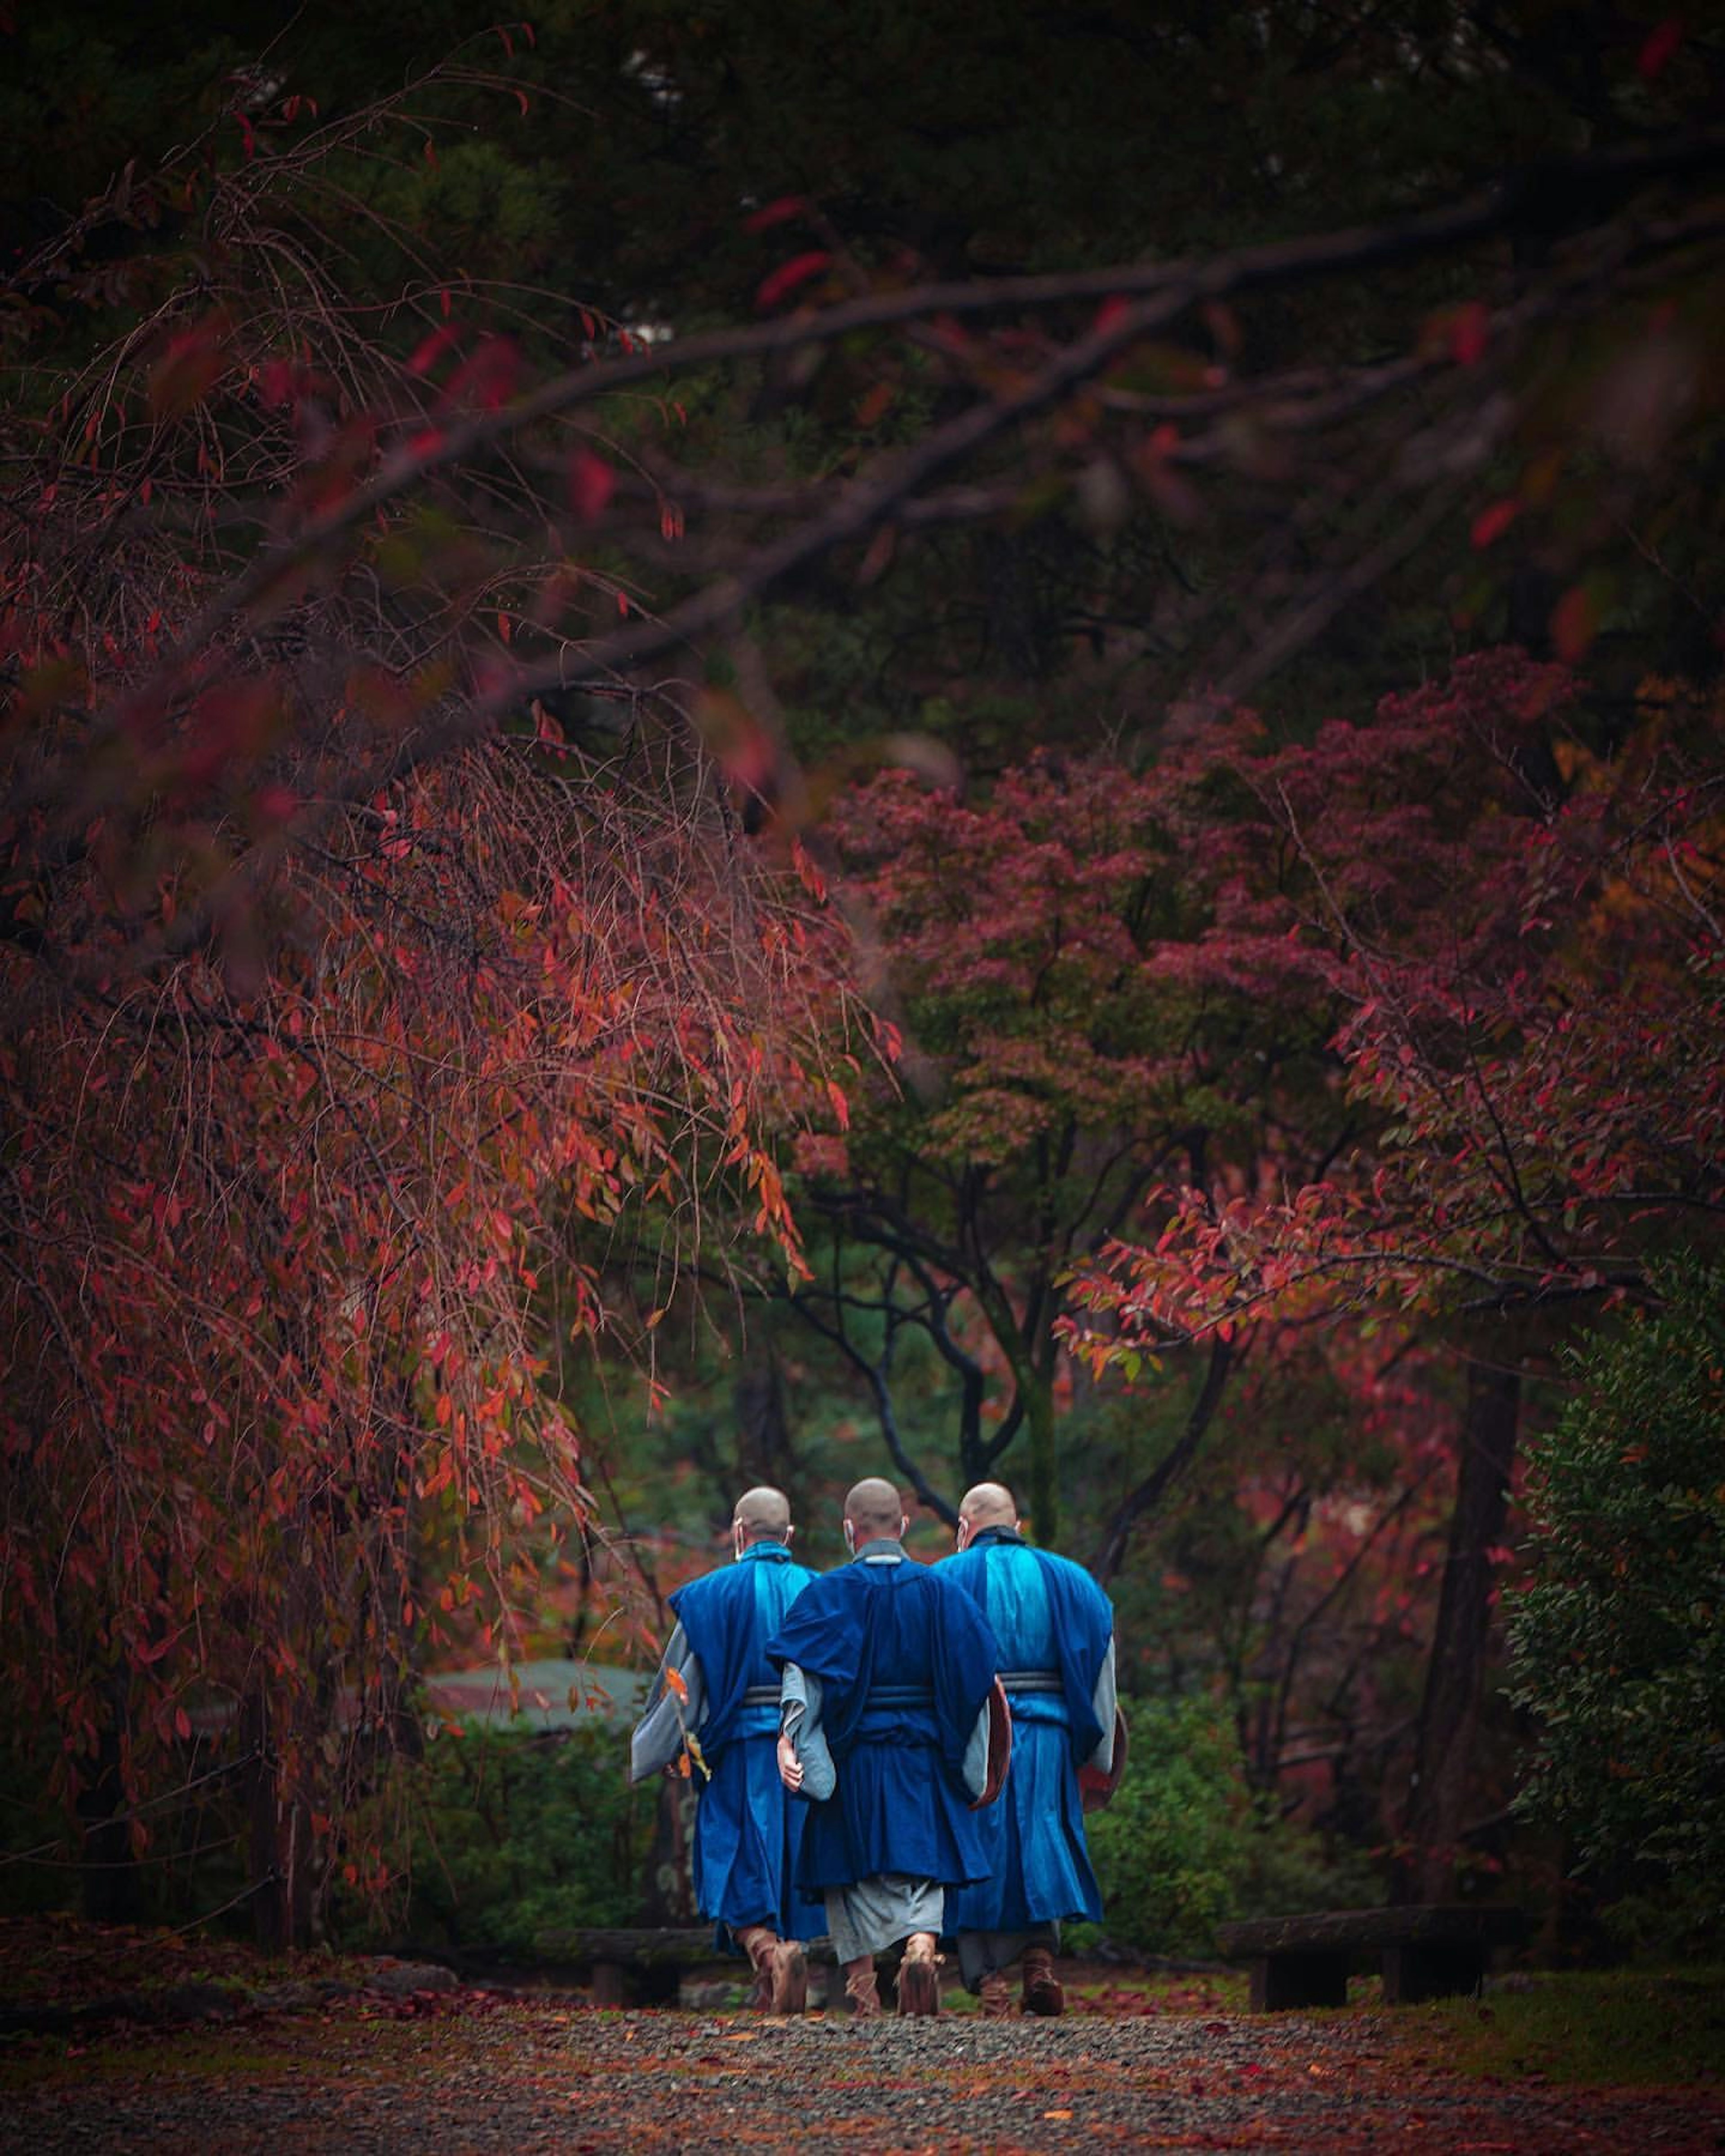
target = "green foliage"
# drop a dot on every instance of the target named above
(1184, 1846)
(512, 1836)
(1616, 1637)
(1172, 1849)
(1589, 2030)
(1290, 1870)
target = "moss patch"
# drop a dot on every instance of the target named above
(1588, 2031)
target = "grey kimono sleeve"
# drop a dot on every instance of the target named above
(1104, 1701)
(658, 1734)
(974, 1769)
(799, 1710)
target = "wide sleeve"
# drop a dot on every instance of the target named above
(800, 1704)
(978, 1754)
(1103, 1702)
(1084, 1636)
(965, 1659)
(672, 1714)
(821, 1633)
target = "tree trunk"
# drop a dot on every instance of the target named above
(108, 1876)
(765, 1453)
(1043, 1488)
(1455, 1677)
(283, 1870)
(1111, 1553)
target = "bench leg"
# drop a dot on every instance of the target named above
(1412, 1975)
(610, 1983)
(1307, 1979)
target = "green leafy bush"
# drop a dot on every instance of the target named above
(1291, 1871)
(1172, 1849)
(513, 1836)
(1185, 1845)
(1617, 1638)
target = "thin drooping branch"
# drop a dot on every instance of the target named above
(1152, 295)
(878, 1374)
(1112, 1551)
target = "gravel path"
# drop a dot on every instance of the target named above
(487, 2075)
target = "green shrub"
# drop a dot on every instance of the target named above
(1290, 1870)
(1617, 1640)
(1185, 1846)
(1172, 1849)
(511, 1835)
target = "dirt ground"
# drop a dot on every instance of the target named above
(473, 2070)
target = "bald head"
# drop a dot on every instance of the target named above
(763, 1514)
(873, 1508)
(988, 1504)
(984, 1505)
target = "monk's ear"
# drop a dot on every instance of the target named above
(904, 1525)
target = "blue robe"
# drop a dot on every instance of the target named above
(1052, 1621)
(896, 1628)
(748, 1830)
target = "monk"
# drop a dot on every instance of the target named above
(1055, 1629)
(888, 1672)
(717, 1693)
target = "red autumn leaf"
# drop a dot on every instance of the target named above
(1575, 623)
(592, 484)
(774, 213)
(189, 369)
(1469, 331)
(278, 384)
(1490, 524)
(1659, 48)
(785, 280)
(486, 378)
(432, 347)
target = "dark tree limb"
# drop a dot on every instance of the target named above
(1149, 1493)
(1456, 1672)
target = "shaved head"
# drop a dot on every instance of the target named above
(988, 1504)
(984, 1505)
(874, 1508)
(763, 1514)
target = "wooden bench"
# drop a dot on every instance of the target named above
(645, 1966)
(1429, 1951)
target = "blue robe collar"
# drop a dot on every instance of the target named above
(983, 1536)
(774, 1553)
(885, 1549)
